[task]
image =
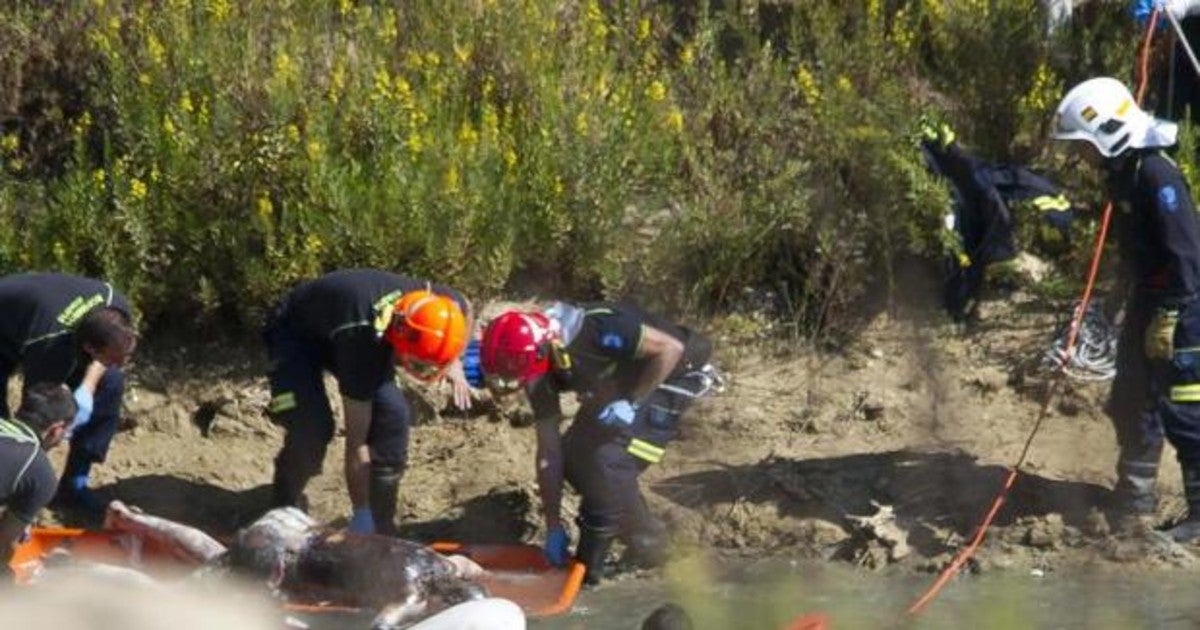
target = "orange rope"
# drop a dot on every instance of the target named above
(967, 552)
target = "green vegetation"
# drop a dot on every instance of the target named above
(207, 154)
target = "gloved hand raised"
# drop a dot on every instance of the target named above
(617, 413)
(557, 546)
(362, 521)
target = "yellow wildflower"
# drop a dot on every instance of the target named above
(293, 133)
(491, 122)
(156, 50)
(643, 29)
(675, 120)
(807, 85)
(185, 102)
(510, 157)
(657, 91)
(137, 189)
(344, 7)
(264, 208)
(462, 53)
(687, 55)
(144, 79)
(219, 9)
(314, 149)
(467, 135)
(414, 143)
(313, 244)
(452, 181)
(10, 143)
(98, 177)
(389, 30)
(285, 67)
(403, 90)
(581, 123)
(383, 85)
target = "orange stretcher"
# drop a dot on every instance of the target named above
(515, 572)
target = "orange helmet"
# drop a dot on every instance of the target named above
(428, 332)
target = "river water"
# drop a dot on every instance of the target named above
(768, 593)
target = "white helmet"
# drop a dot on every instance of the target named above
(1103, 112)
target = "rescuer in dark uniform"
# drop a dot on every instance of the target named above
(634, 375)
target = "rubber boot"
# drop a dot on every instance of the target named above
(1133, 500)
(385, 494)
(593, 551)
(1188, 530)
(647, 549)
(73, 491)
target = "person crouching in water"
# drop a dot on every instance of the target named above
(634, 375)
(1157, 385)
(27, 480)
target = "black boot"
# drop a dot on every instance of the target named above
(1133, 500)
(1188, 530)
(647, 549)
(593, 552)
(385, 494)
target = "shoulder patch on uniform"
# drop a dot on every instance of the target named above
(1168, 199)
(612, 341)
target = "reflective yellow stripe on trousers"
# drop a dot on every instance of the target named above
(283, 402)
(642, 449)
(1186, 393)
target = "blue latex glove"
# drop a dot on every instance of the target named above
(556, 547)
(362, 521)
(83, 405)
(1141, 10)
(471, 365)
(619, 412)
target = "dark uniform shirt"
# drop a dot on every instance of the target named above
(603, 362)
(1156, 226)
(40, 311)
(343, 315)
(27, 481)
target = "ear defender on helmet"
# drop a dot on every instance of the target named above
(428, 332)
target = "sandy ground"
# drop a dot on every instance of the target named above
(915, 417)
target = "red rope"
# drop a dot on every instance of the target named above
(967, 552)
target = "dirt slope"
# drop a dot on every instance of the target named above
(915, 417)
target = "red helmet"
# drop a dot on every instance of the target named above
(516, 347)
(428, 332)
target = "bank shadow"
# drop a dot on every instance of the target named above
(500, 516)
(944, 490)
(211, 508)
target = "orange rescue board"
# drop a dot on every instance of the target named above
(516, 572)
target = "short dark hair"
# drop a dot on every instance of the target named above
(105, 327)
(668, 617)
(44, 404)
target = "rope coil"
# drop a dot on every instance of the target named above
(1095, 355)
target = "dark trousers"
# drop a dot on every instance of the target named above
(300, 405)
(1153, 398)
(603, 464)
